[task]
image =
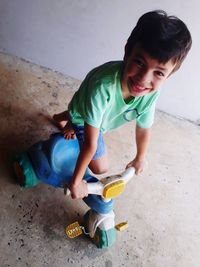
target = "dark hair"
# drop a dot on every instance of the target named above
(163, 37)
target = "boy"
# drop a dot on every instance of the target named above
(121, 91)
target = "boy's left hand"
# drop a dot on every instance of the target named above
(137, 164)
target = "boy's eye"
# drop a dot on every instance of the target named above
(138, 62)
(160, 74)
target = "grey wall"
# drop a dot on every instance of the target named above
(74, 36)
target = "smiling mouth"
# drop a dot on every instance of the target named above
(135, 87)
(139, 89)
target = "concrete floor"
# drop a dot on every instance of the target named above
(162, 205)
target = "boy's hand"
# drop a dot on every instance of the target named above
(137, 164)
(68, 134)
(68, 131)
(80, 190)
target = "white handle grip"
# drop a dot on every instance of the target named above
(128, 174)
(97, 188)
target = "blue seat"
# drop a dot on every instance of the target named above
(54, 161)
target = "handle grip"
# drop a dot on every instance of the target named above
(99, 188)
(93, 188)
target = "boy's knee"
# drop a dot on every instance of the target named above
(99, 169)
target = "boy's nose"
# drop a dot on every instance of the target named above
(145, 78)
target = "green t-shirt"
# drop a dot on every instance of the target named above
(99, 101)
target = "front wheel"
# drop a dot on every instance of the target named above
(104, 238)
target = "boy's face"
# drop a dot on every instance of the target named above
(143, 74)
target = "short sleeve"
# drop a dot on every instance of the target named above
(95, 105)
(146, 119)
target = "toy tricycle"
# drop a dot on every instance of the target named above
(53, 162)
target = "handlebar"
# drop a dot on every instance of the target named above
(111, 186)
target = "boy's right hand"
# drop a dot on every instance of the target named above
(79, 191)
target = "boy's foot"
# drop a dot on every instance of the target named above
(53, 121)
(64, 125)
(59, 121)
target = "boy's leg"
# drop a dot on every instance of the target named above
(100, 165)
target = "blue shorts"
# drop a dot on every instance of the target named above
(101, 147)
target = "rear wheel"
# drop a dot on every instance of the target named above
(24, 171)
(19, 173)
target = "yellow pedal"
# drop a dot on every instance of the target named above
(73, 230)
(121, 226)
(114, 189)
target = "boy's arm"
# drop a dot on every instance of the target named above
(142, 142)
(78, 186)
